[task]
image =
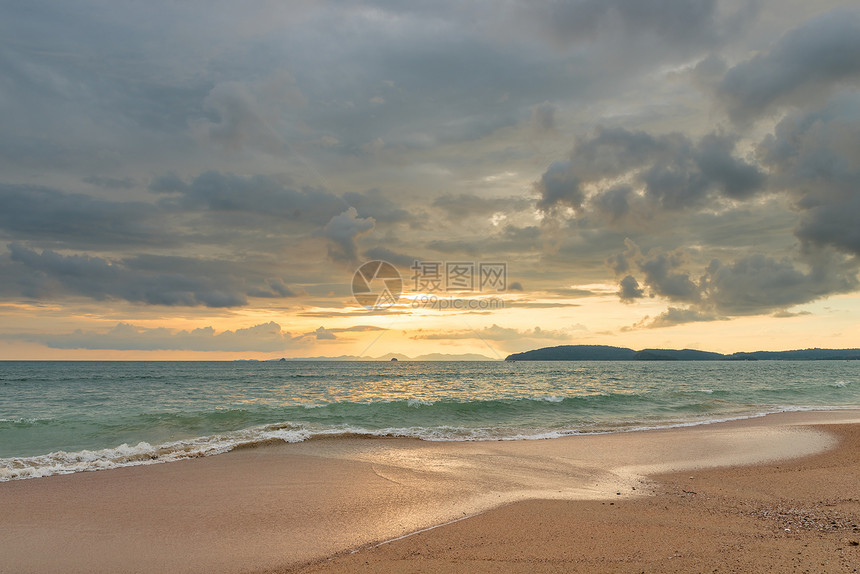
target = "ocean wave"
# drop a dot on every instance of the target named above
(26, 421)
(418, 403)
(144, 453)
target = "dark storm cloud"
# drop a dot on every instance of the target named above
(342, 231)
(734, 177)
(757, 283)
(677, 22)
(559, 185)
(275, 288)
(808, 61)
(749, 285)
(227, 192)
(87, 89)
(383, 209)
(204, 210)
(630, 289)
(77, 220)
(833, 224)
(662, 275)
(149, 279)
(111, 182)
(384, 84)
(673, 171)
(382, 72)
(614, 203)
(814, 155)
(404, 108)
(142, 79)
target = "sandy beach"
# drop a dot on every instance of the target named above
(778, 493)
(800, 515)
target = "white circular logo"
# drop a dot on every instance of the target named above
(377, 285)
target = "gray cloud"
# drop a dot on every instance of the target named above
(509, 239)
(374, 203)
(270, 131)
(614, 203)
(814, 156)
(149, 279)
(671, 171)
(263, 338)
(760, 283)
(833, 224)
(630, 289)
(662, 275)
(676, 23)
(749, 285)
(559, 185)
(543, 118)
(111, 182)
(385, 254)
(240, 119)
(275, 288)
(77, 220)
(342, 230)
(789, 314)
(323, 334)
(810, 60)
(227, 192)
(677, 316)
(464, 205)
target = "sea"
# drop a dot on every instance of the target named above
(65, 417)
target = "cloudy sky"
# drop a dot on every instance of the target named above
(202, 179)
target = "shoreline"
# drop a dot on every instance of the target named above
(60, 463)
(274, 508)
(787, 515)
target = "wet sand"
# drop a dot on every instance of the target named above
(280, 507)
(799, 515)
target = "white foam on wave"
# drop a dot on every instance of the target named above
(418, 403)
(550, 399)
(143, 453)
(23, 420)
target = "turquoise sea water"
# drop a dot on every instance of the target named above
(60, 417)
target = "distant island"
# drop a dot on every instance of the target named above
(607, 353)
(396, 357)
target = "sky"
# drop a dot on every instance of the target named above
(203, 180)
